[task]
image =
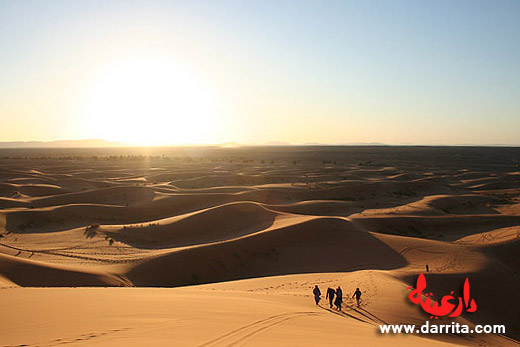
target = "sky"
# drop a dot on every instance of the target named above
(296, 71)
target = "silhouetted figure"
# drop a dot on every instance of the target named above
(110, 242)
(317, 294)
(357, 294)
(330, 295)
(427, 268)
(339, 298)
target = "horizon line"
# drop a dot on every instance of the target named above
(102, 143)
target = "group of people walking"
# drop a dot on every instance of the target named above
(334, 296)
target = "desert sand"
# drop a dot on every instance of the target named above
(211, 246)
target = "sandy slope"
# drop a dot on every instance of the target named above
(260, 312)
(29, 273)
(183, 317)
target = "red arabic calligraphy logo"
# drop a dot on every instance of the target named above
(446, 307)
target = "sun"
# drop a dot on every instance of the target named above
(150, 101)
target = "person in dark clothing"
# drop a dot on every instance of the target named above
(357, 294)
(330, 295)
(427, 268)
(339, 298)
(317, 294)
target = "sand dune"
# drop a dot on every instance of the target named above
(258, 312)
(436, 227)
(210, 225)
(29, 273)
(320, 207)
(31, 190)
(439, 205)
(162, 317)
(247, 233)
(31, 180)
(316, 245)
(7, 203)
(74, 184)
(60, 217)
(121, 196)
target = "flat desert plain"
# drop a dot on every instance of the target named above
(213, 246)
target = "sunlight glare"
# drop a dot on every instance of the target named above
(150, 101)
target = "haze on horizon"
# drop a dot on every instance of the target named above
(206, 72)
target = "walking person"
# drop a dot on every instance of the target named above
(357, 294)
(317, 294)
(339, 298)
(330, 295)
